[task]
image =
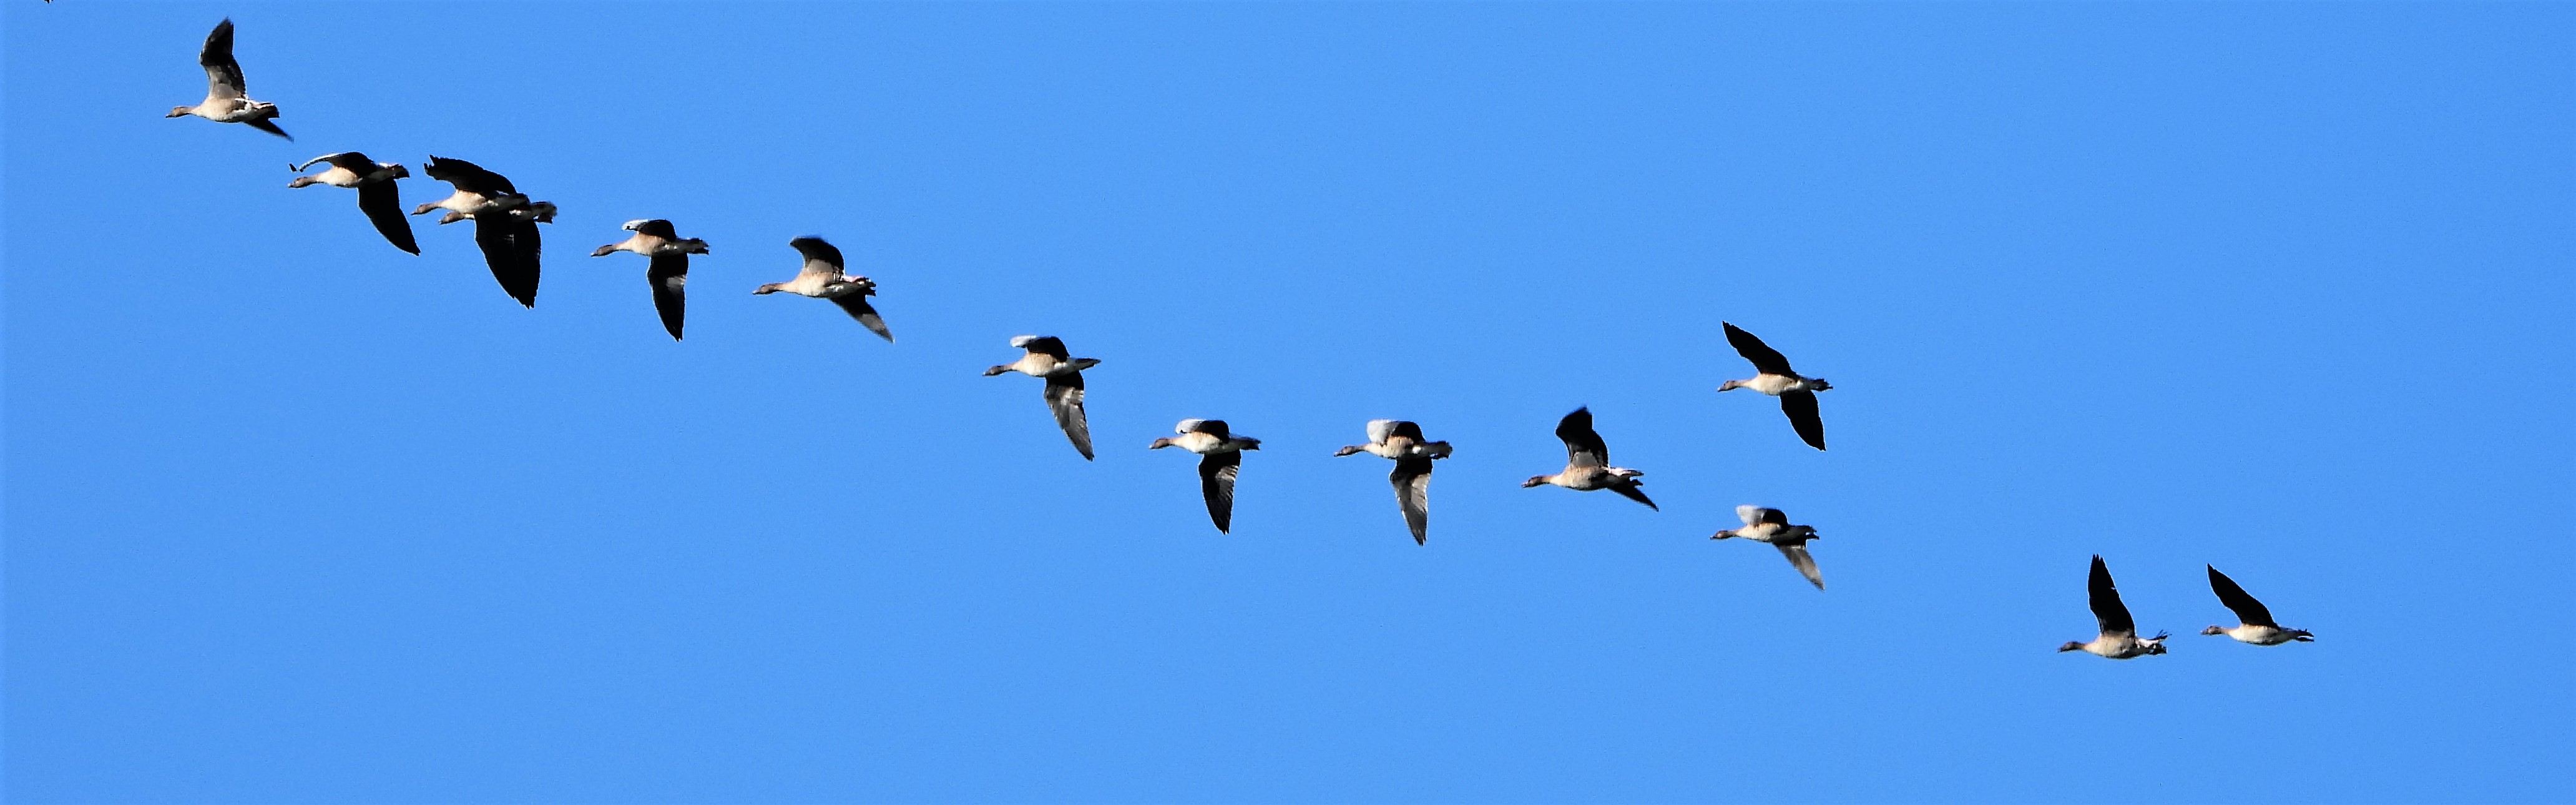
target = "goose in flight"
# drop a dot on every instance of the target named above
(2254, 621)
(505, 222)
(1587, 462)
(1402, 441)
(225, 99)
(1771, 526)
(821, 278)
(1774, 377)
(2119, 638)
(1221, 456)
(376, 194)
(1048, 359)
(668, 272)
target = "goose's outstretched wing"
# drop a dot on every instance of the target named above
(2248, 611)
(2107, 609)
(1216, 483)
(1765, 359)
(383, 205)
(1064, 397)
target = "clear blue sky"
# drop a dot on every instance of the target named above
(2285, 288)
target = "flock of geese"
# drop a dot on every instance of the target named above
(506, 229)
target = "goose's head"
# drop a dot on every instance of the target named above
(2214, 629)
(181, 111)
(2071, 646)
(1535, 480)
(1730, 385)
(1349, 450)
(610, 249)
(1157, 445)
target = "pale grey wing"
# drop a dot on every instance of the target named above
(822, 259)
(1064, 397)
(2112, 615)
(669, 275)
(383, 205)
(1216, 483)
(1412, 479)
(1804, 562)
(857, 306)
(1749, 513)
(1379, 429)
(223, 75)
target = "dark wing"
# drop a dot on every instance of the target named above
(1630, 491)
(1583, 447)
(262, 124)
(467, 176)
(1412, 479)
(1804, 562)
(1765, 359)
(2113, 615)
(2248, 611)
(510, 248)
(669, 274)
(817, 250)
(1407, 430)
(1216, 483)
(857, 306)
(657, 228)
(1050, 346)
(1064, 397)
(382, 203)
(1801, 408)
(223, 75)
(1212, 427)
(1772, 516)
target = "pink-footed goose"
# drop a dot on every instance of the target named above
(822, 278)
(1048, 359)
(1587, 462)
(1772, 526)
(2119, 638)
(1220, 459)
(377, 196)
(2253, 620)
(1773, 376)
(1402, 441)
(505, 222)
(226, 99)
(668, 270)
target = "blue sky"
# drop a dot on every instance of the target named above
(2285, 288)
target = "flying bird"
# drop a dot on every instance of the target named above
(2254, 621)
(668, 272)
(1773, 376)
(1587, 462)
(1402, 441)
(226, 101)
(1220, 458)
(1772, 526)
(821, 278)
(505, 222)
(2119, 638)
(1048, 359)
(377, 196)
